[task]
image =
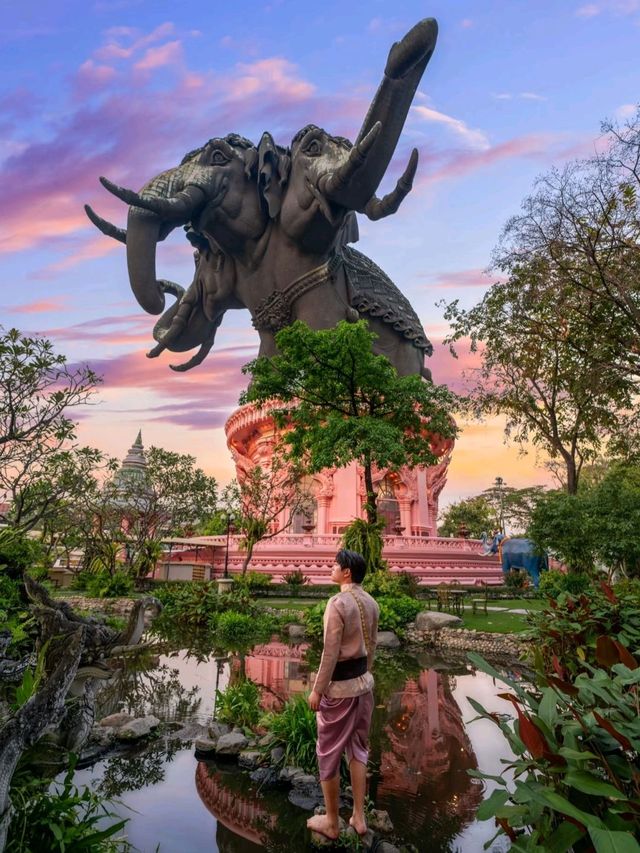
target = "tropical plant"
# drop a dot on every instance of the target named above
(103, 584)
(296, 579)
(294, 729)
(576, 771)
(573, 628)
(365, 537)
(63, 818)
(252, 581)
(236, 630)
(553, 582)
(516, 579)
(239, 704)
(397, 612)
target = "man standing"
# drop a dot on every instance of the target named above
(343, 692)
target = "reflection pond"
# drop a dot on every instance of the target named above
(422, 745)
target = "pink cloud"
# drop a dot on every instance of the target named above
(456, 279)
(40, 306)
(275, 74)
(158, 57)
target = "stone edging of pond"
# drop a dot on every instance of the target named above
(466, 639)
(112, 606)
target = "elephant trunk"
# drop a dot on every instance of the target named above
(143, 233)
(406, 63)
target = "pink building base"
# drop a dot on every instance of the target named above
(407, 501)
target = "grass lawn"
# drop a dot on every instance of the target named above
(499, 622)
(288, 603)
(518, 603)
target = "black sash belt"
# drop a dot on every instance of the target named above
(350, 668)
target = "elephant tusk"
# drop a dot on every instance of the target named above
(107, 228)
(335, 185)
(129, 197)
(379, 208)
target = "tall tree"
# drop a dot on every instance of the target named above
(341, 403)
(265, 502)
(475, 514)
(37, 391)
(583, 221)
(541, 365)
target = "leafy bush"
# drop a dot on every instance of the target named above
(294, 729)
(17, 553)
(388, 583)
(516, 579)
(239, 704)
(313, 620)
(570, 629)
(296, 578)
(238, 629)
(252, 581)
(103, 584)
(396, 613)
(552, 583)
(198, 604)
(576, 742)
(62, 819)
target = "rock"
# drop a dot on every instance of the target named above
(288, 774)
(303, 779)
(217, 729)
(205, 745)
(297, 632)
(277, 754)
(191, 731)
(429, 620)
(306, 797)
(116, 720)
(103, 735)
(388, 640)
(231, 744)
(265, 740)
(386, 847)
(249, 759)
(140, 727)
(380, 821)
(264, 776)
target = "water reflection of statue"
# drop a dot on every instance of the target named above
(423, 769)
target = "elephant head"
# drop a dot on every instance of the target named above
(213, 189)
(314, 184)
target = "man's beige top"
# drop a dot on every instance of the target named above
(344, 639)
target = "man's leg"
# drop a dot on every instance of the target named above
(327, 824)
(358, 772)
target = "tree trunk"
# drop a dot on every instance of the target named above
(572, 475)
(247, 559)
(371, 507)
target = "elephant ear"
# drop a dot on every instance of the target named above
(273, 172)
(349, 232)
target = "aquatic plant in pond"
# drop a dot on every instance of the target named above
(65, 819)
(239, 704)
(294, 729)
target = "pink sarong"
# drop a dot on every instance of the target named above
(343, 726)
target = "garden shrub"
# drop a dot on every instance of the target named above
(17, 552)
(366, 539)
(294, 729)
(233, 628)
(570, 629)
(313, 620)
(103, 584)
(576, 741)
(517, 579)
(252, 581)
(296, 579)
(396, 613)
(239, 704)
(553, 582)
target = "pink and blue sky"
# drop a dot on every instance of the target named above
(125, 88)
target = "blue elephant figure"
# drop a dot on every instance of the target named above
(519, 553)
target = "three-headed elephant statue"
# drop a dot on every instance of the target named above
(520, 553)
(272, 226)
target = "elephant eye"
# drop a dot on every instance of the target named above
(218, 158)
(314, 148)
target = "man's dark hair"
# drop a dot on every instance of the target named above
(352, 560)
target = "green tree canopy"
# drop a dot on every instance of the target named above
(341, 403)
(476, 514)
